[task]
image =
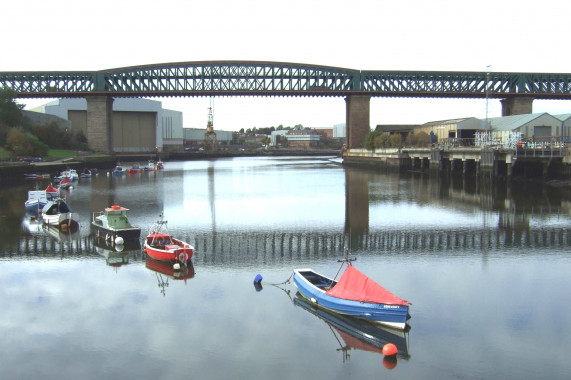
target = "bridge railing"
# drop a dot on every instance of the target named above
(453, 142)
(545, 146)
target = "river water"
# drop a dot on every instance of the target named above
(486, 266)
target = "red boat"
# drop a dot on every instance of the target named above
(51, 191)
(65, 183)
(161, 245)
(135, 169)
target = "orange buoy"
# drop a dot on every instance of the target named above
(390, 349)
(390, 362)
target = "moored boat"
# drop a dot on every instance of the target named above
(52, 192)
(113, 223)
(160, 164)
(37, 199)
(151, 166)
(134, 169)
(65, 183)
(86, 173)
(57, 213)
(69, 173)
(161, 245)
(355, 295)
(119, 170)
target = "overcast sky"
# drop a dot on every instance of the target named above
(508, 35)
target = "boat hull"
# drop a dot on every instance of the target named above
(67, 221)
(394, 316)
(110, 234)
(34, 207)
(171, 253)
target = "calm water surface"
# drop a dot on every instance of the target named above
(486, 267)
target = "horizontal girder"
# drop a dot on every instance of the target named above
(245, 78)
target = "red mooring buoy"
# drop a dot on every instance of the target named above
(390, 349)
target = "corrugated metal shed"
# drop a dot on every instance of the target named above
(511, 123)
(566, 117)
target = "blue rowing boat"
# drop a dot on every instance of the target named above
(355, 295)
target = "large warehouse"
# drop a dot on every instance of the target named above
(139, 125)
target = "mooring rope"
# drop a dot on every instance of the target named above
(285, 282)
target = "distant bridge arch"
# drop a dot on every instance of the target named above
(256, 78)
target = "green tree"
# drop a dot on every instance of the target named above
(419, 139)
(396, 140)
(10, 113)
(376, 139)
(21, 143)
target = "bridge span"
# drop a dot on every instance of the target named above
(253, 78)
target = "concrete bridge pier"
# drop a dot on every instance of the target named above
(357, 119)
(517, 105)
(99, 123)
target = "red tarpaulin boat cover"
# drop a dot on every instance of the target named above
(354, 285)
(51, 189)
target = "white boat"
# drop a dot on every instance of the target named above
(37, 199)
(58, 214)
(119, 170)
(150, 167)
(69, 173)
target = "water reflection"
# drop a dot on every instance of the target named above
(420, 235)
(165, 271)
(116, 255)
(354, 334)
(234, 212)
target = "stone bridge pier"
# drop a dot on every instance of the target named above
(517, 105)
(357, 119)
(100, 123)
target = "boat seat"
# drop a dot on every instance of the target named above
(171, 246)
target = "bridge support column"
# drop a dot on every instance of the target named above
(357, 119)
(517, 106)
(100, 123)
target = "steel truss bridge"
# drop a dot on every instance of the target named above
(251, 78)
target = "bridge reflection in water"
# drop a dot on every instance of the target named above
(507, 224)
(283, 247)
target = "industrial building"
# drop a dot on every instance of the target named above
(139, 125)
(535, 126)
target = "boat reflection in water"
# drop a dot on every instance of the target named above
(35, 226)
(115, 255)
(161, 268)
(359, 334)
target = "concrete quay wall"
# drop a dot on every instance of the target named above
(463, 161)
